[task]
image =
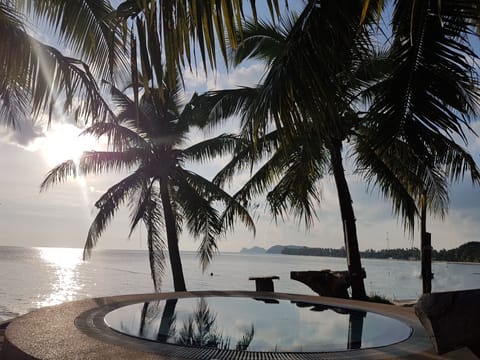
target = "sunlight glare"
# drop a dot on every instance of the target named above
(64, 263)
(63, 143)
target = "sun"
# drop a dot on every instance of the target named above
(62, 142)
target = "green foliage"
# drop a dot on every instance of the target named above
(379, 299)
(468, 252)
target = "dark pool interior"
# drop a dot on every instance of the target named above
(248, 324)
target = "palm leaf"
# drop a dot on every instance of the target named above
(42, 73)
(213, 108)
(108, 205)
(234, 209)
(432, 86)
(88, 27)
(208, 23)
(97, 162)
(298, 186)
(59, 174)
(389, 177)
(262, 41)
(211, 148)
(120, 138)
(153, 220)
(201, 218)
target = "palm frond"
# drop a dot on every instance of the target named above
(392, 175)
(153, 220)
(454, 160)
(43, 73)
(107, 206)
(246, 154)
(120, 138)
(14, 103)
(201, 218)
(139, 204)
(432, 86)
(208, 23)
(207, 189)
(208, 149)
(97, 162)
(298, 187)
(262, 40)
(213, 108)
(59, 174)
(88, 27)
(301, 85)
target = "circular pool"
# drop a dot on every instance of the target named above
(242, 324)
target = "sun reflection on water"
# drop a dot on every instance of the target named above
(64, 282)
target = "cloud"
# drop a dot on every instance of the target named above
(24, 134)
(246, 75)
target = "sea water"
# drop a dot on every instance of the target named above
(35, 277)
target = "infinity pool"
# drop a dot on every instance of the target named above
(262, 325)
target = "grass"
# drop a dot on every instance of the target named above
(376, 298)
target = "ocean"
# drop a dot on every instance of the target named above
(36, 277)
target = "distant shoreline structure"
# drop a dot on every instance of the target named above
(464, 254)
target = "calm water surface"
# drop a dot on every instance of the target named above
(36, 277)
(237, 323)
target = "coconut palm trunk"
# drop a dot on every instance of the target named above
(357, 273)
(172, 239)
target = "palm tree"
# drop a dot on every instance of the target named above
(308, 96)
(35, 76)
(426, 179)
(317, 111)
(161, 192)
(430, 93)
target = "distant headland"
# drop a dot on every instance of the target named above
(276, 249)
(468, 252)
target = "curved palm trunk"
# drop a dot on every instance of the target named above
(357, 273)
(172, 239)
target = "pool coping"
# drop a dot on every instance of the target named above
(77, 330)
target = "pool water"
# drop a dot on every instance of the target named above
(248, 324)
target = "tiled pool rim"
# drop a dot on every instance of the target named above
(276, 325)
(50, 333)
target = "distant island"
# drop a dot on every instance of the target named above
(468, 252)
(253, 250)
(276, 249)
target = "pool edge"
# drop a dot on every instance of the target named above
(64, 330)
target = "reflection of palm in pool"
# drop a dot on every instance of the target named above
(198, 330)
(241, 323)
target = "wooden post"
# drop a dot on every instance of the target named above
(426, 262)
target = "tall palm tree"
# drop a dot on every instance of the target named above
(308, 94)
(431, 92)
(35, 76)
(161, 192)
(317, 110)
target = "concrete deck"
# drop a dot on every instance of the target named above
(76, 330)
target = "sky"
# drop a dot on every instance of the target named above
(61, 216)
